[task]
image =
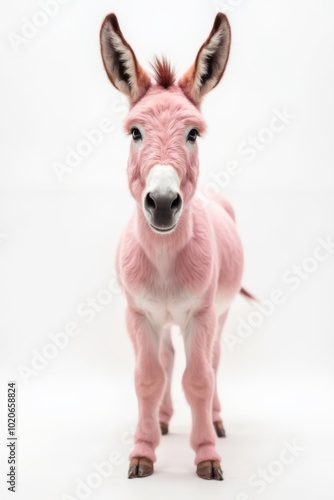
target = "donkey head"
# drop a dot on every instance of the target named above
(164, 120)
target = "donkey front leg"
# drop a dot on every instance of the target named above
(198, 384)
(149, 384)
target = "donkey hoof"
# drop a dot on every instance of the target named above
(210, 469)
(219, 428)
(164, 428)
(140, 467)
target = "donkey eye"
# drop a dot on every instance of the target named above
(136, 134)
(192, 136)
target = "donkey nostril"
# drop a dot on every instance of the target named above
(176, 203)
(150, 203)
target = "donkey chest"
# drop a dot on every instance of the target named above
(166, 299)
(168, 289)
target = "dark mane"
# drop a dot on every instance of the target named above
(164, 73)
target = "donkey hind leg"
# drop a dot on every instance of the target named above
(167, 362)
(149, 384)
(216, 407)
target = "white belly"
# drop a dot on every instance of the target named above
(175, 310)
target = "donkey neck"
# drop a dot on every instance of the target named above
(164, 246)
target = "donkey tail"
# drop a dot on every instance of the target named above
(248, 295)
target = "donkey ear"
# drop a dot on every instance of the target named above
(120, 61)
(210, 62)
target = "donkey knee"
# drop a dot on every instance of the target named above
(150, 385)
(197, 384)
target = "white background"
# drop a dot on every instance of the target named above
(58, 240)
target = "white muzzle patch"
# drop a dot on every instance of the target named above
(162, 201)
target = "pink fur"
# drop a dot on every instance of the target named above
(205, 258)
(188, 276)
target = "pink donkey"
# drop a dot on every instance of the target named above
(178, 262)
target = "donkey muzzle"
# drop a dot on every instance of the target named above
(162, 201)
(163, 210)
